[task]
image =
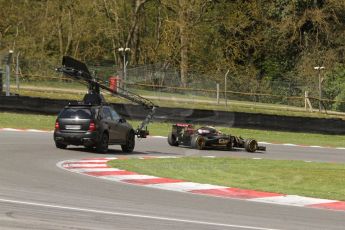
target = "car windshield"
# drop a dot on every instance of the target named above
(77, 113)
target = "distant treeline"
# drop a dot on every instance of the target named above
(258, 41)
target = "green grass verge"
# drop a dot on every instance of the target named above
(46, 122)
(320, 180)
(26, 121)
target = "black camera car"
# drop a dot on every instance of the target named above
(93, 122)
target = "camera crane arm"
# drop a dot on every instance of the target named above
(78, 71)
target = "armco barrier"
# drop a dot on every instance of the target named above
(228, 119)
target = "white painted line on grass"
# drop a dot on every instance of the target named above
(10, 129)
(265, 143)
(82, 170)
(94, 161)
(166, 157)
(35, 131)
(289, 144)
(126, 214)
(184, 186)
(25, 130)
(292, 200)
(127, 177)
(159, 137)
(68, 165)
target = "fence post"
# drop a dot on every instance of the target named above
(17, 71)
(307, 102)
(7, 67)
(217, 93)
(225, 88)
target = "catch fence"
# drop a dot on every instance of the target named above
(162, 83)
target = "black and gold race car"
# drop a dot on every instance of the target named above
(208, 137)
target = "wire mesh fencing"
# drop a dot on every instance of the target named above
(162, 83)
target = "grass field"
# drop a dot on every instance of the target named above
(45, 122)
(320, 180)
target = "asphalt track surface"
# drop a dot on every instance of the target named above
(36, 194)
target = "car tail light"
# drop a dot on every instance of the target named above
(92, 126)
(57, 125)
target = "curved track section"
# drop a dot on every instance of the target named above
(35, 194)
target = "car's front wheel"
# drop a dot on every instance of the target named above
(130, 143)
(251, 145)
(102, 145)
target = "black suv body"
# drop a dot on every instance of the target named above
(93, 126)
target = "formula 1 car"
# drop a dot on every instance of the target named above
(209, 138)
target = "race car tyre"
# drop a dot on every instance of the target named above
(60, 145)
(102, 145)
(130, 143)
(198, 142)
(172, 140)
(250, 145)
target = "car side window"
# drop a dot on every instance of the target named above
(114, 114)
(107, 113)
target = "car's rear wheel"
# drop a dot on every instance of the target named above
(250, 145)
(130, 143)
(172, 140)
(60, 145)
(102, 145)
(198, 142)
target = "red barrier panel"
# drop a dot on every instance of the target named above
(114, 82)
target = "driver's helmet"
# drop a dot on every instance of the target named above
(207, 130)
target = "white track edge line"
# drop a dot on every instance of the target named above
(132, 215)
